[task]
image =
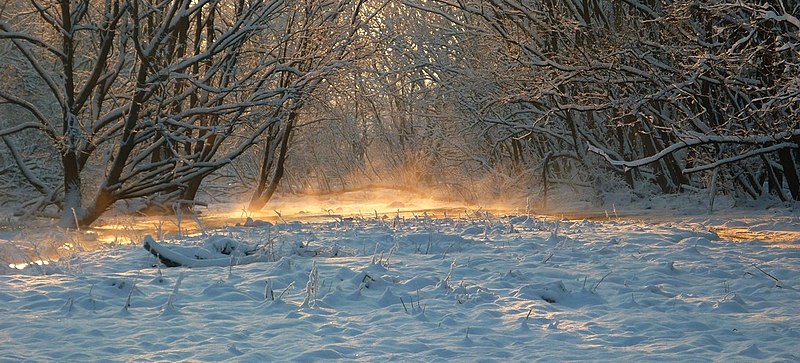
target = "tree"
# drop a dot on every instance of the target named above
(154, 96)
(320, 40)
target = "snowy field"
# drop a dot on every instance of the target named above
(483, 288)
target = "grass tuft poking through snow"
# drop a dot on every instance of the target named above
(312, 287)
(169, 308)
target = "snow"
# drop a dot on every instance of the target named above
(478, 288)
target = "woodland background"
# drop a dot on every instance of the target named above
(164, 105)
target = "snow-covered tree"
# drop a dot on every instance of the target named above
(320, 38)
(154, 96)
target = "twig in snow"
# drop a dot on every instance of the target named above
(448, 249)
(375, 260)
(128, 300)
(594, 288)
(280, 216)
(171, 300)
(777, 282)
(75, 215)
(291, 285)
(269, 294)
(430, 243)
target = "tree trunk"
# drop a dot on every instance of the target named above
(790, 172)
(72, 191)
(625, 151)
(106, 195)
(658, 168)
(672, 167)
(105, 198)
(190, 193)
(263, 192)
(775, 184)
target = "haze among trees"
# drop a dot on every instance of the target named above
(170, 104)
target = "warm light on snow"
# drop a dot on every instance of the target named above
(777, 239)
(503, 288)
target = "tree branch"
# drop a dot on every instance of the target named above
(690, 140)
(749, 154)
(26, 172)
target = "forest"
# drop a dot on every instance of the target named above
(170, 104)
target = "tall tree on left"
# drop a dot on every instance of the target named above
(150, 93)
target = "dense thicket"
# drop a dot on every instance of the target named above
(147, 98)
(673, 95)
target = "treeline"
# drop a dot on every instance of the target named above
(141, 99)
(670, 95)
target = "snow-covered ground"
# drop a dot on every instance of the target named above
(476, 288)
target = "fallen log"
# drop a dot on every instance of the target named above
(226, 253)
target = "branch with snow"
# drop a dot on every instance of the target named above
(695, 139)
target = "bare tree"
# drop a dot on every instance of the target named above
(168, 92)
(321, 39)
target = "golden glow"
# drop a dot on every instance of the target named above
(367, 203)
(363, 203)
(777, 238)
